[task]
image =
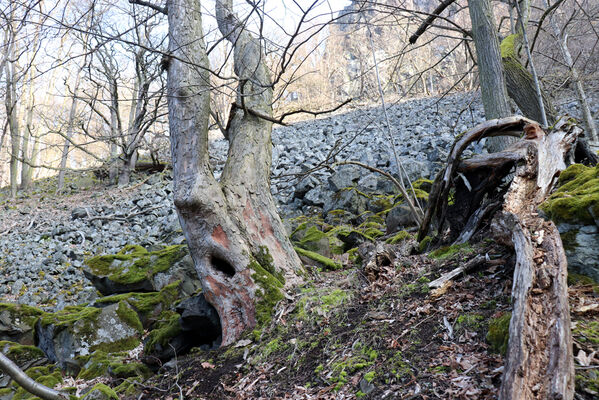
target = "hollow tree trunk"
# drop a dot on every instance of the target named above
(233, 225)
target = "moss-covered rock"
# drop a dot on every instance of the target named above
(499, 332)
(101, 363)
(311, 257)
(147, 305)
(17, 322)
(446, 252)
(134, 269)
(22, 355)
(577, 198)
(101, 392)
(76, 330)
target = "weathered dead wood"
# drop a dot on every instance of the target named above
(539, 363)
(437, 205)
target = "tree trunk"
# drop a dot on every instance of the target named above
(19, 376)
(492, 82)
(13, 126)
(562, 39)
(521, 85)
(69, 133)
(238, 243)
(539, 363)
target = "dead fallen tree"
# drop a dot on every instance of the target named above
(539, 363)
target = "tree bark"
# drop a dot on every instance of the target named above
(230, 226)
(70, 131)
(33, 387)
(492, 82)
(539, 363)
(520, 83)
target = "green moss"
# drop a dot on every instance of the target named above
(354, 256)
(324, 261)
(587, 332)
(499, 333)
(20, 354)
(70, 315)
(167, 328)
(449, 251)
(369, 376)
(315, 304)
(147, 305)
(579, 279)
(268, 292)
(424, 243)
(508, 46)
(470, 321)
(399, 237)
(20, 313)
(363, 357)
(134, 263)
(119, 345)
(49, 376)
(129, 316)
(105, 390)
(577, 198)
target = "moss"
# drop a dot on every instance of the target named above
(20, 354)
(147, 304)
(134, 263)
(21, 313)
(577, 198)
(49, 376)
(70, 315)
(119, 345)
(579, 279)
(268, 292)
(128, 387)
(424, 243)
(319, 303)
(587, 332)
(470, 321)
(369, 376)
(105, 390)
(449, 251)
(324, 261)
(509, 45)
(398, 237)
(499, 332)
(167, 328)
(363, 357)
(354, 256)
(129, 316)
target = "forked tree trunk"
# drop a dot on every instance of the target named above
(231, 225)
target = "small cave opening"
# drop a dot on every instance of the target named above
(199, 327)
(200, 323)
(222, 265)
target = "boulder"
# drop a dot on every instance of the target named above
(134, 269)
(17, 322)
(24, 356)
(77, 331)
(350, 200)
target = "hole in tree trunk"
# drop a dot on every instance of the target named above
(222, 265)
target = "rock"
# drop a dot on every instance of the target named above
(22, 355)
(344, 177)
(399, 218)
(349, 200)
(75, 331)
(101, 392)
(78, 212)
(134, 269)
(17, 322)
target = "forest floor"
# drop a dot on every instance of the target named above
(380, 333)
(374, 333)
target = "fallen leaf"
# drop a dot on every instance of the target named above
(208, 365)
